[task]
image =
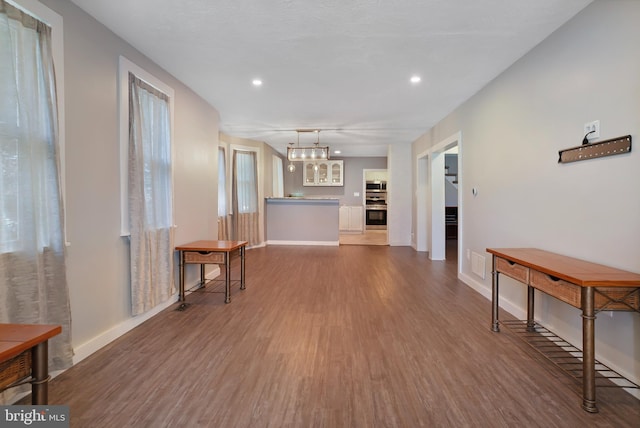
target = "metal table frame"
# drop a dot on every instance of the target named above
(18, 338)
(224, 248)
(589, 276)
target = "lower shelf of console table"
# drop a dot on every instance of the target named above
(566, 356)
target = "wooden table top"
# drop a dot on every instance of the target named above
(17, 338)
(212, 246)
(576, 271)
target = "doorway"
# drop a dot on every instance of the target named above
(431, 225)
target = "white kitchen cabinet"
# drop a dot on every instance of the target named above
(350, 218)
(323, 173)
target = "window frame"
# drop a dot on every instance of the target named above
(277, 176)
(125, 67)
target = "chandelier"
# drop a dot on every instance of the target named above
(308, 153)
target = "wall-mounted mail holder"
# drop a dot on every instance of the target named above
(614, 146)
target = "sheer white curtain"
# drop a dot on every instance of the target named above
(245, 197)
(150, 196)
(223, 215)
(33, 284)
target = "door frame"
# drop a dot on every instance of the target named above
(430, 200)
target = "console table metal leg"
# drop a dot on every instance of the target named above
(494, 297)
(227, 279)
(588, 346)
(181, 291)
(530, 308)
(242, 286)
(40, 371)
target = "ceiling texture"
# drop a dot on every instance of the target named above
(341, 66)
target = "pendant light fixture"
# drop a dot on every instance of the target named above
(315, 152)
(292, 166)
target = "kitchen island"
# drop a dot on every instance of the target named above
(302, 221)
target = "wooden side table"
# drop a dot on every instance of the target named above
(212, 252)
(24, 351)
(587, 286)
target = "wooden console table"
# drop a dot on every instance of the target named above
(587, 286)
(212, 252)
(24, 351)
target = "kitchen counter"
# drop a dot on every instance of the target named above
(302, 221)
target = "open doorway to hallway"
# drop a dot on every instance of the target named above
(451, 201)
(438, 219)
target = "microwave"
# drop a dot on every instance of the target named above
(376, 185)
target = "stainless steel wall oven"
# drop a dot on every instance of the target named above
(376, 216)
(376, 208)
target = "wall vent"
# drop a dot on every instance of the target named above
(478, 264)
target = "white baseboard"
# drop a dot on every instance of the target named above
(84, 350)
(515, 310)
(322, 243)
(399, 244)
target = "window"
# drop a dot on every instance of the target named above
(246, 182)
(278, 178)
(154, 93)
(9, 186)
(224, 220)
(222, 183)
(14, 158)
(149, 168)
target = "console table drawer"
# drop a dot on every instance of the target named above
(513, 270)
(15, 369)
(204, 257)
(563, 290)
(604, 295)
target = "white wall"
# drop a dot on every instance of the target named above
(587, 70)
(97, 259)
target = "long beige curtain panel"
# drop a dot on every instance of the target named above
(33, 283)
(150, 197)
(245, 197)
(224, 219)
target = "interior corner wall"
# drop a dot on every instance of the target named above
(98, 257)
(399, 212)
(513, 128)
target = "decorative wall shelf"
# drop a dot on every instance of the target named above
(614, 146)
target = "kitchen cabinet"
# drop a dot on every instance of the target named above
(323, 173)
(350, 218)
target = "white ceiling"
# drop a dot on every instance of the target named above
(342, 66)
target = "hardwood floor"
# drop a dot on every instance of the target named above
(348, 336)
(368, 237)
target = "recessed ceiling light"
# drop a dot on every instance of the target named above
(415, 79)
(257, 82)
(337, 152)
